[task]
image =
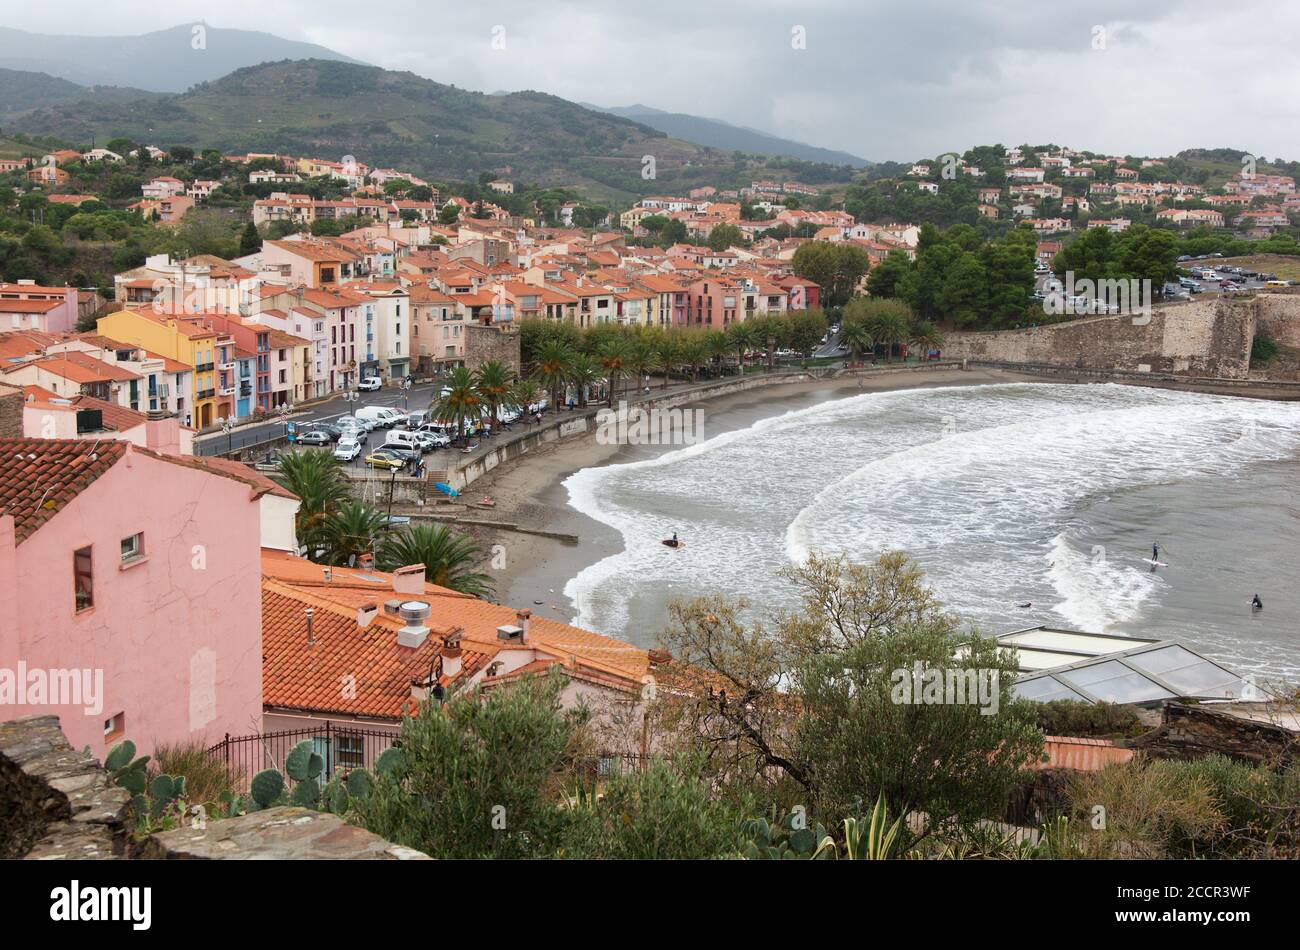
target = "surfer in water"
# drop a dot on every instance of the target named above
(1155, 551)
(673, 542)
(1256, 603)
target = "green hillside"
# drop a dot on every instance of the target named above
(331, 109)
(21, 91)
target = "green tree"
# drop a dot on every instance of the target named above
(448, 557)
(319, 481)
(250, 242)
(492, 381)
(723, 236)
(482, 777)
(349, 531)
(835, 267)
(460, 401)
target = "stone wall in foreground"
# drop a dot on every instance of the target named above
(58, 803)
(1199, 338)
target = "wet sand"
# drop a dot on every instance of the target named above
(529, 490)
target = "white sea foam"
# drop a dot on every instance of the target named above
(985, 485)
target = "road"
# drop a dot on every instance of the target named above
(831, 347)
(216, 443)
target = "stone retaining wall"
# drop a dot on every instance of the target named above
(1201, 338)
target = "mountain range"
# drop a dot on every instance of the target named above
(241, 90)
(724, 135)
(168, 60)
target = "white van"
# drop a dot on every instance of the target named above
(406, 439)
(382, 416)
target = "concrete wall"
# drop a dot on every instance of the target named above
(1200, 338)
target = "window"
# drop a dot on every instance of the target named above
(114, 726)
(351, 751)
(132, 547)
(83, 579)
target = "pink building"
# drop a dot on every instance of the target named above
(28, 306)
(129, 592)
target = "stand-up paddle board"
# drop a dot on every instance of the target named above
(1155, 563)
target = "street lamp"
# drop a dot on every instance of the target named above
(283, 411)
(406, 392)
(228, 426)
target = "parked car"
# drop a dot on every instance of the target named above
(370, 384)
(367, 424)
(313, 437)
(386, 459)
(354, 433)
(347, 450)
(382, 416)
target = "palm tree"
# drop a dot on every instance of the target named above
(448, 557)
(925, 337)
(740, 338)
(523, 394)
(888, 329)
(462, 401)
(583, 373)
(694, 353)
(615, 357)
(350, 531)
(667, 354)
(317, 478)
(492, 382)
(857, 336)
(640, 359)
(718, 346)
(554, 365)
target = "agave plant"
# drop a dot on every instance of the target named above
(874, 840)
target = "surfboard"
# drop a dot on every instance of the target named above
(669, 544)
(1155, 563)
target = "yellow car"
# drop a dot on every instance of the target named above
(383, 458)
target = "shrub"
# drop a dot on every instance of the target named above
(1065, 717)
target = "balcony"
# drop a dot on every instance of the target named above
(205, 394)
(203, 367)
(226, 391)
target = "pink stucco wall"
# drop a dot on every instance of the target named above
(177, 634)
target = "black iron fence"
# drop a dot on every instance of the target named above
(342, 747)
(347, 747)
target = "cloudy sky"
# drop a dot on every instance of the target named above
(884, 80)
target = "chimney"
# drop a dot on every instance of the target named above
(409, 580)
(366, 561)
(451, 653)
(365, 614)
(660, 657)
(329, 575)
(311, 636)
(162, 432)
(414, 613)
(521, 617)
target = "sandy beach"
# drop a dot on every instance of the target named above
(529, 490)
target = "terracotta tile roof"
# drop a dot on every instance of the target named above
(1083, 755)
(299, 675)
(598, 658)
(116, 418)
(38, 477)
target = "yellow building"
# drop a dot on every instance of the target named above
(184, 339)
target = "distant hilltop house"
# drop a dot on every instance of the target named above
(502, 187)
(163, 187)
(101, 155)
